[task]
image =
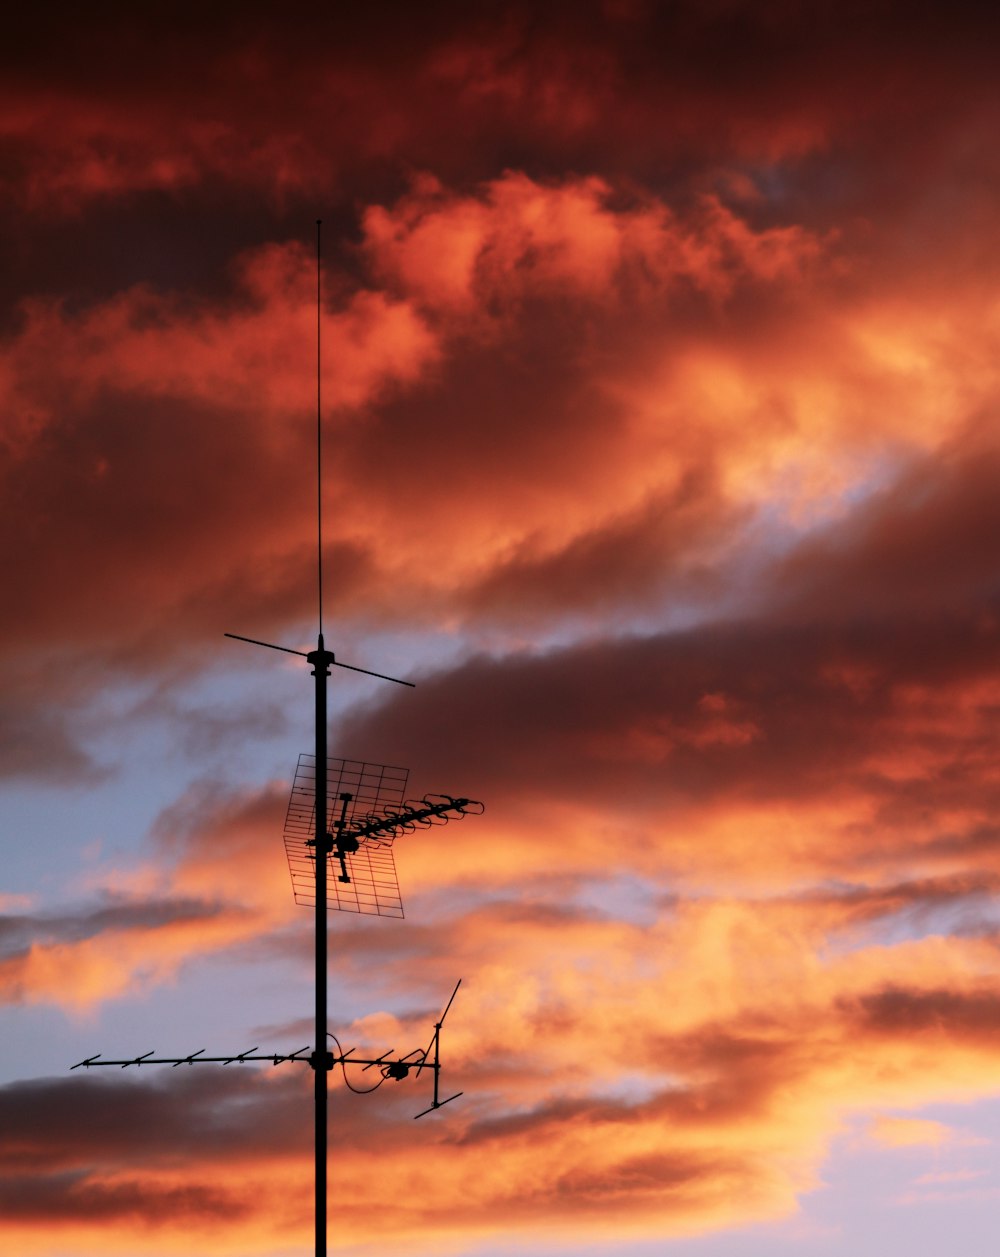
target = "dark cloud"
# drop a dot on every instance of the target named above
(87, 1149)
(971, 1016)
(629, 562)
(758, 710)
(919, 902)
(922, 544)
(168, 1117)
(39, 744)
(98, 953)
(646, 88)
(19, 933)
(118, 500)
(50, 1199)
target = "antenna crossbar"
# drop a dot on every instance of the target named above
(390, 1066)
(382, 676)
(194, 1058)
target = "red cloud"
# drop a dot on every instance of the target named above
(660, 386)
(492, 252)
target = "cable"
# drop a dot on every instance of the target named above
(361, 1091)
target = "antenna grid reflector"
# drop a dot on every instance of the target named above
(374, 789)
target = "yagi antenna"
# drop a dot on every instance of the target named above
(347, 864)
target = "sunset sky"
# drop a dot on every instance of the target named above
(662, 451)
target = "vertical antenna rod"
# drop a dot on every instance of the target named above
(321, 1061)
(321, 661)
(319, 418)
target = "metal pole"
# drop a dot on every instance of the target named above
(321, 660)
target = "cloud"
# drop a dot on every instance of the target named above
(935, 1013)
(490, 253)
(670, 734)
(660, 391)
(772, 1028)
(745, 1069)
(98, 1160)
(918, 545)
(208, 885)
(908, 1132)
(618, 477)
(950, 1176)
(41, 745)
(77, 962)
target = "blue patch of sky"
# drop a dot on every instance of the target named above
(619, 895)
(65, 832)
(40, 1041)
(629, 1087)
(913, 1199)
(446, 902)
(752, 182)
(916, 920)
(816, 179)
(787, 514)
(212, 1005)
(58, 836)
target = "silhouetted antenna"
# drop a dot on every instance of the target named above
(389, 1065)
(289, 650)
(373, 814)
(345, 865)
(435, 1065)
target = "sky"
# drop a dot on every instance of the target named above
(661, 450)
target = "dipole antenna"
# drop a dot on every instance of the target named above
(357, 846)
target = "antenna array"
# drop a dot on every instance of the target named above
(388, 1065)
(347, 865)
(368, 882)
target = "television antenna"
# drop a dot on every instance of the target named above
(325, 859)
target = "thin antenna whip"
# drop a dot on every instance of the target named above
(319, 420)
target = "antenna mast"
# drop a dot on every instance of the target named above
(364, 829)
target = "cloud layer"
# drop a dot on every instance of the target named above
(660, 448)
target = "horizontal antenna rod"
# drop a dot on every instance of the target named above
(400, 1065)
(368, 672)
(382, 676)
(270, 645)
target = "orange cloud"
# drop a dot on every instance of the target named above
(744, 1040)
(469, 254)
(660, 382)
